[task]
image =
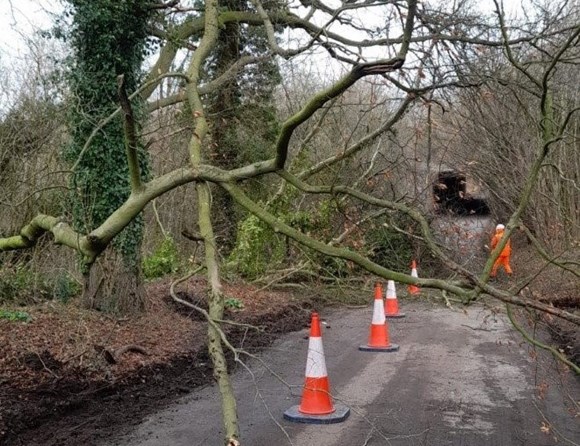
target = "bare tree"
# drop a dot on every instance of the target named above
(413, 52)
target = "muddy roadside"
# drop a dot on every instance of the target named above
(58, 388)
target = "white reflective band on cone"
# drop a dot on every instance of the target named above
(315, 365)
(391, 293)
(379, 313)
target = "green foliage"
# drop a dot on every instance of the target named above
(109, 38)
(234, 304)
(251, 138)
(388, 247)
(301, 220)
(21, 285)
(65, 287)
(332, 266)
(163, 261)
(15, 316)
(257, 247)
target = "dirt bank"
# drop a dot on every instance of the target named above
(58, 388)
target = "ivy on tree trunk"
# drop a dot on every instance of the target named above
(109, 39)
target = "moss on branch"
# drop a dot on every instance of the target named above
(62, 234)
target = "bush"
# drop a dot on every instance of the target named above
(389, 248)
(163, 261)
(234, 304)
(15, 316)
(332, 266)
(21, 285)
(65, 287)
(257, 248)
(260, 248)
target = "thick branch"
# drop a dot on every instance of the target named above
(167, 54)
(130, 135)
(216, 299)
(93, 244)
(342, 253)
(63, 235)
(209, 87)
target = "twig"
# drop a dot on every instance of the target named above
(80, 425)
(277, 279)
(272, 417)
(45, 367)
(447, 302)
(559, 356)
(552, 426)
(477, 328)
(157, 218)
(210, 321)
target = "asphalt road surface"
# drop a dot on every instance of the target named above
(459, 378)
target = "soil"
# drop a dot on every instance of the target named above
(71, 377)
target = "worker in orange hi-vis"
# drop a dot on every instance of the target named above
(504, 255)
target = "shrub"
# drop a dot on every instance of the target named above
(20, 284)
(66, 287)
(163, 261)
(257, 248)
(15, 316)
(234, 304)
(388, 247)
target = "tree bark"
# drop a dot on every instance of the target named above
(216, 311)
(215, 296)
(113, 285)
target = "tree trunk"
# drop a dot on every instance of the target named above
(113, 284)
(224, 216)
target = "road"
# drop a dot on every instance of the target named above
(464, 238)
(459, 378)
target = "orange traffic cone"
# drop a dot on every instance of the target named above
(316, 405)
(379, 335)
(391, 304)
(414, 289)
(378, 290)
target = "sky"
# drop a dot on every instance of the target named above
(20, 18)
